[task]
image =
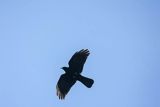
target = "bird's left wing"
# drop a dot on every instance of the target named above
(77, 61)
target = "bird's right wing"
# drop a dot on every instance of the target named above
(78, 59)
(64, 85)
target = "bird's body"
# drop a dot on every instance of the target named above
(73, 73)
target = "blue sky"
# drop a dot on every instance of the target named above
(38, 37)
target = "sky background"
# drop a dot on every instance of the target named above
(38, 37)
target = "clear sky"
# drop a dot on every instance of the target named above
(38, 37)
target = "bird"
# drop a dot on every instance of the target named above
(72, 74)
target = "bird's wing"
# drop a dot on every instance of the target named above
(63, 86)
(78, 59)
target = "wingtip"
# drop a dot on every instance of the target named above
(59, 93)
(85, 51)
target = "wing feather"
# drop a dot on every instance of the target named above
(64, 85)
(77, 61)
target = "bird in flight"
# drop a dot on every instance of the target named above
(73, 74)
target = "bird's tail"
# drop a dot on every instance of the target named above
(86, 81)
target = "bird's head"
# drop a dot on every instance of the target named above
(65, 69)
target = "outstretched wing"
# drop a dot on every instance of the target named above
(64, 84)
(77, 61)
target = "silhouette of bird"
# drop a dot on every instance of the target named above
(73, 73)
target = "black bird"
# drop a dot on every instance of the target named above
(73, 73)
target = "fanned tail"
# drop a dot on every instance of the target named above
(86, 81)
